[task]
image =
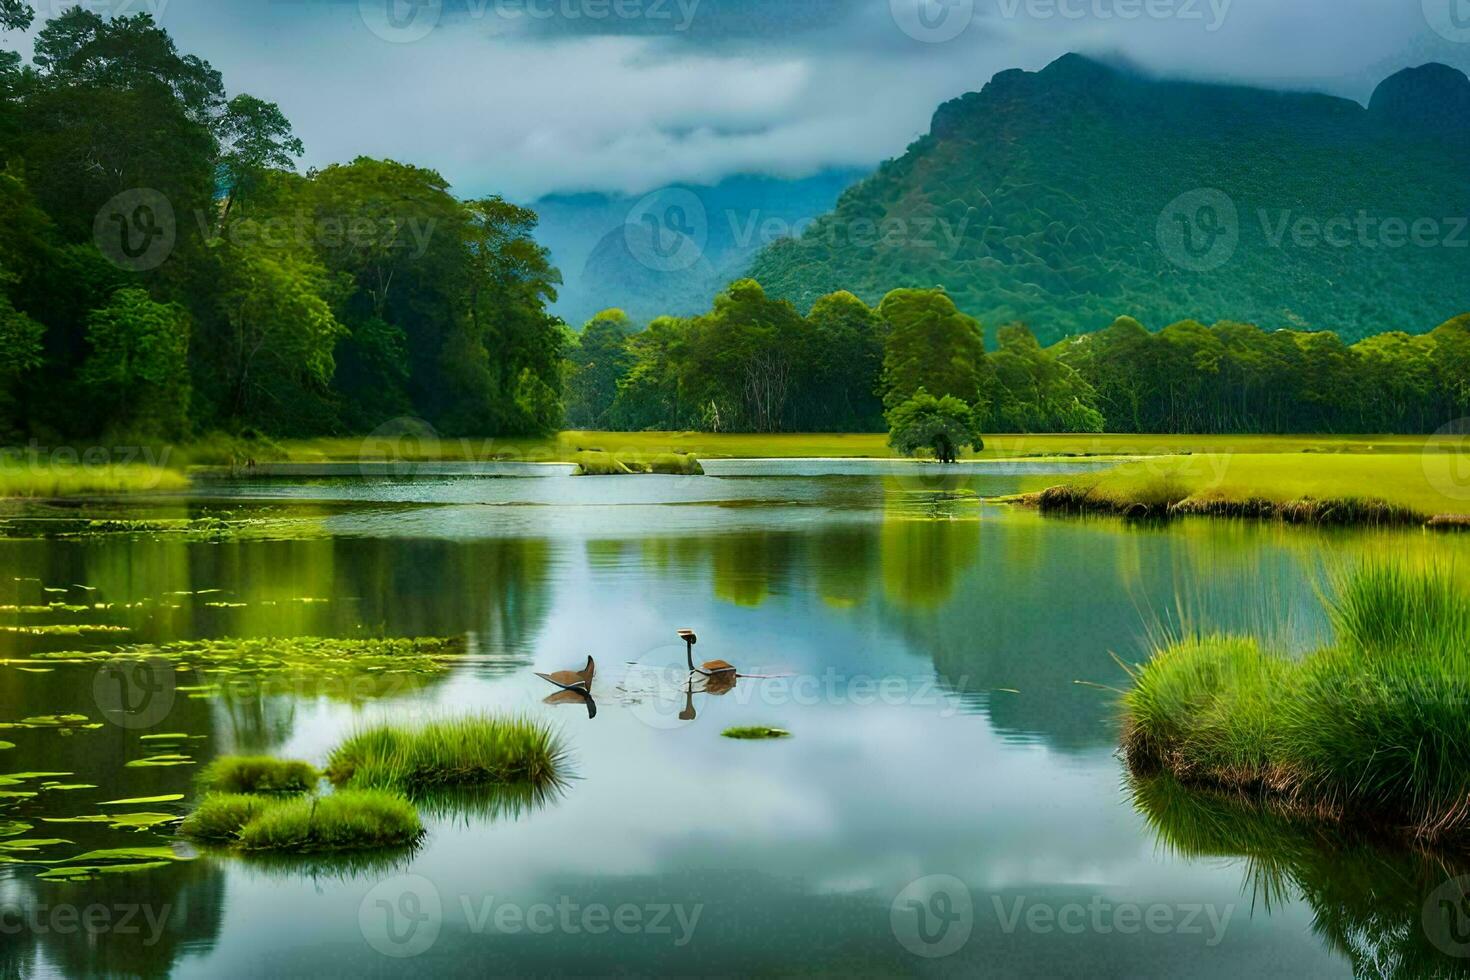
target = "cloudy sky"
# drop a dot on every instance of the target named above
(527, 97)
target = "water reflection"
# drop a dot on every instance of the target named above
(1390, 910)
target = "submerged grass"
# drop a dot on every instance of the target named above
(258, 774)
(478, 750)
(1370, 730)
(597, 462)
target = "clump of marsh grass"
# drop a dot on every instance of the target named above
(258, 774)
(221, 816)
(346, 820)
(753, 732)
(1371, 728)
(477, 750)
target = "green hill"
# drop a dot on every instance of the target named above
(1067, 197)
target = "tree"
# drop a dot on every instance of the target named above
(138, 371)
(930, 345)
(254, 136)
(1033, 391)
(599, 360)
(943, 426)
(15, 15)
(841, 391)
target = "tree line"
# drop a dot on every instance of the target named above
(165, 272)
(754, 363)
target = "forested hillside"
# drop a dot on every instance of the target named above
(1071, 196)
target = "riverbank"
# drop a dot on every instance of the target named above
(1430, 487)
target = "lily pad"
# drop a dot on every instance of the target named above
(10, 828)
(6, 745)
(120, 821)
(156, 761)
(170, 798)
(30, 844)
(163, 853)
(167, 737)
(90, 872)
(66, 787)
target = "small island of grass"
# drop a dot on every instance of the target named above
(258, 774)
(346, 820)
(1369, 731)
(473, 751)
(754, 732)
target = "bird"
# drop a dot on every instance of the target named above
(573, 680)
(709, 668)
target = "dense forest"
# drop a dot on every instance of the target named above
(165, 272)
(754, 363)
(1066, 197)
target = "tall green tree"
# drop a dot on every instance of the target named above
(930, 345)
(137, 374)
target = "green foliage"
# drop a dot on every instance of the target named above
(459, 752)
(137, 374)
(345, 820)
(1368, 730)
(1039, 200)
(930, 345)
(283, 304)
(943, 426)
(258, 774)
(598, 362)
(755, 732)
(221, 816)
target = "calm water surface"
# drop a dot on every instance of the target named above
(952, 784)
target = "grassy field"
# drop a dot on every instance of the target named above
(1370, 730)
(564, 447)
(1417, 486)
(48, 480)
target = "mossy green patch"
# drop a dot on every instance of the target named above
(346, 820)
(258, 774)
(751, 732)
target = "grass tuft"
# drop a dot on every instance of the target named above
(52, 480)
(258, 774)
(1371, 729)
(477, 750)
(221, 816)
(348, 820)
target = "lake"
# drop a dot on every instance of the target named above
(950, 802)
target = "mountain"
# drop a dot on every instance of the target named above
(701, 237)
(1070, 196)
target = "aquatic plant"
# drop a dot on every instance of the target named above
(460, 751)
(258, 774)
(748, 732)
(221, 816)
(1370, 730)
(347, 820)
(49, 480)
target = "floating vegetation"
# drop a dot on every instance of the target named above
(258, 774)
(6, 745)
(221, 816)
(95, 871)
(66, 629)
(119, 821)
(168, 737)
(144, 800)
(457, 752)
(750, 732)
(352, 668)
(10, 828)
(347, 820)
(161, 761)
(53, 721)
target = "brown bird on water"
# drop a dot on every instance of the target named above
(573, 680)
(709, 668)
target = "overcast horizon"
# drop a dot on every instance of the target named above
(532, 97)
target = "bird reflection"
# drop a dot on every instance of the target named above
(574, 696)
